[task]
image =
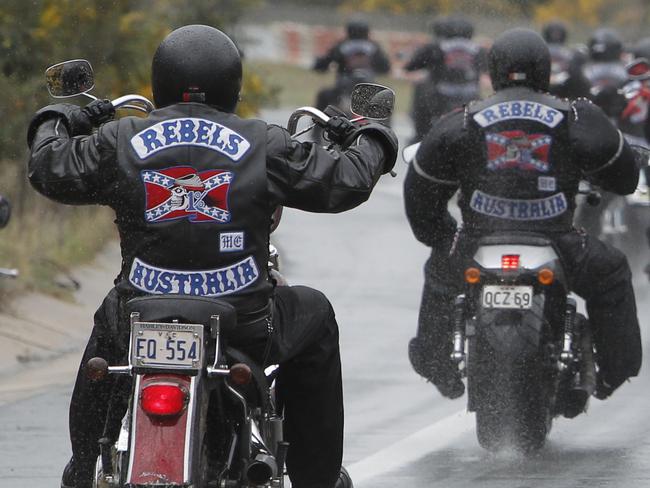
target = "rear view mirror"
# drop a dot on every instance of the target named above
(372, 101)
(69, 78)
(5, 212)
(639, 69)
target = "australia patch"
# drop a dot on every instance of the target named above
(516, 209)
(206, 283)
(517, 150)
(181, 192)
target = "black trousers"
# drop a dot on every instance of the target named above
(304, 342)
(598, 272)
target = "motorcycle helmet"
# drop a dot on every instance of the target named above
(554, 32)
(459, 26)
(440, 27)
(357, 28)
(520, 57)
(642, 48)
(197, 63)
(605, 45)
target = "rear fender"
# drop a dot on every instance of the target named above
(162, 450)
(513, 334)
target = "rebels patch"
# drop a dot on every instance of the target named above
(506, 208)
(183, 193)
(190, 132)
(205, 283)
(516, 149)
(519, 109)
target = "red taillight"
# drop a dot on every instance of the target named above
(509, 261)
(162, 400)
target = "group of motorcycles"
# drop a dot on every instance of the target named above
(200, 413)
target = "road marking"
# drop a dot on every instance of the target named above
(413, 447)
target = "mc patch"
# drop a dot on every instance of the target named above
(181, 192)
(517, 150)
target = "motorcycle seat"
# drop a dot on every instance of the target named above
(184, 308)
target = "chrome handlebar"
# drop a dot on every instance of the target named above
(316, 115)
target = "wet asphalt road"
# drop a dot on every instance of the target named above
(399, 431)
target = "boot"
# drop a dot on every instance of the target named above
(443, 374)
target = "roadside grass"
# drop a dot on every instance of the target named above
(44, 240)
(297, 86)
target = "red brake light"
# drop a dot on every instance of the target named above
(162, 400)
(509, 261)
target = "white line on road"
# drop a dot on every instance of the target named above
(413, 447)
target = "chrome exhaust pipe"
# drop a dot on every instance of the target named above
(262, 469)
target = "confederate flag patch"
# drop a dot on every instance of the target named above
(182, 192)
(516, 149)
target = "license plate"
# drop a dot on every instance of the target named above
(518, 297)
(164, 345)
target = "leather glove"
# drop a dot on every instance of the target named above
(382, 134)
(78, 121)
(99, 112)
(339, 130)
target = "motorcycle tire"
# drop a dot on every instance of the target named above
(513, 409)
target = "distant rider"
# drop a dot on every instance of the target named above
(567, 79)
(605, 71)
(517, 158)
(357, 58)
(126, 164)
(454, 64)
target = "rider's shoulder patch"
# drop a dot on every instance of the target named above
(519, 110)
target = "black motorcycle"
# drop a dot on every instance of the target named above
(199, 413)
(526, 352)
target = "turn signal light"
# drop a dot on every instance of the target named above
(472, 275)
(240, 374)
(162, 400)
(545, 276)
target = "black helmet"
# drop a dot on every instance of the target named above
(554, 32)
(197, 63)
(605, 45)
(357, 28)
(440, 27)
(459, 26)
(520, 57)
(642, 48)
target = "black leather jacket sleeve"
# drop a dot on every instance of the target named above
(425, 57)
(73, 170)
(83, 169)
(307, 176)
(600, 150)
(431, 182)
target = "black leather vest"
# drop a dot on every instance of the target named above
(523, 178)
(192, 212)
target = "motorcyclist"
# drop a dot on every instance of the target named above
(567, 80)
(357, 58)
(510, 156)
(194, 139)
(605, 71)
(454, 63)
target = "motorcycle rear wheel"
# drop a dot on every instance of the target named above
(514, 409)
